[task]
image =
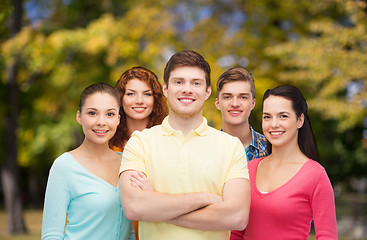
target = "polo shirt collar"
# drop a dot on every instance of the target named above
(169, 130)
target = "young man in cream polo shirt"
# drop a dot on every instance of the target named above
(199, 185)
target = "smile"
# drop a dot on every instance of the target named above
(186, 100)
(100, 132)
(139, 109)
(276, 133)
(235, 111)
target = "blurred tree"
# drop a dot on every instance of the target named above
(69, 45)
(328, 64)
(55, 67)
(10, 172)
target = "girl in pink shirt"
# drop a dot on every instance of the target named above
(289, 188)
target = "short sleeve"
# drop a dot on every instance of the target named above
(238, 167)
(134, 154)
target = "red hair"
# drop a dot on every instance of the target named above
(159, 112)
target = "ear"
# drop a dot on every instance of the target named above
(217, 104)
(165, 89)
(300, 121)
(208, 92)
(253, 103)
(79, 117)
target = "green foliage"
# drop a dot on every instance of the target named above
(319, 46)
(328, 64)
(5, 11)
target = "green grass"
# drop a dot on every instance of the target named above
(33, 221)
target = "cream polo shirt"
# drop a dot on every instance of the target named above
(201, 161)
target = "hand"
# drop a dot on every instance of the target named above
(139, 180)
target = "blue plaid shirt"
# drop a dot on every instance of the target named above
(257, 147)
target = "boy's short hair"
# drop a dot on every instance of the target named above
(187, 58)
(236, 74)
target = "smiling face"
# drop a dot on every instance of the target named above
(99, 117)
(138, 100)
(186, 91)
(235, 102)
(280, 123)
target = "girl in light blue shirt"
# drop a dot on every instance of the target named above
(82, 198)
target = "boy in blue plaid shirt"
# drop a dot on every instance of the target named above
(236, 99)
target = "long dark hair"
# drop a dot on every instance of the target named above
(306, 139)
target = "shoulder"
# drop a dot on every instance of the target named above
(148, 132)
(254, 163)
(212, 132)
(62, 167)
(63, 161)
(314, 167)
(255, 135)
(314, 174)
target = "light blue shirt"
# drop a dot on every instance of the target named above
(92, 204)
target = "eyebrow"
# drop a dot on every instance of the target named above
(95, 109)
(192, 79)
(132, 90)
(229, 93)
(277, 113)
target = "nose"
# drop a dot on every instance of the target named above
(139, 99)
(187, 88)
(101, 121)
(275, 122)
(235, 101)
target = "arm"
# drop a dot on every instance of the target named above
(230, 214)
(323, 208)
(56, 202)
(153, 206)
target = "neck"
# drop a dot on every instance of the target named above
(185, 125)
(242, 131)
(289, 153)
(136, 125)
(93, 150)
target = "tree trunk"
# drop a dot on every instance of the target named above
(10, 169)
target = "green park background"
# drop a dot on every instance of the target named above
(51, 50)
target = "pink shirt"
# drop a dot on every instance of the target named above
(287, 212)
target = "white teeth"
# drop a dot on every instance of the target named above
(139, 108)
(276, 133)
(96, 131)
(186, 100)
(235, 111)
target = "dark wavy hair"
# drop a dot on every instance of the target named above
(306, 139)
(159, 111)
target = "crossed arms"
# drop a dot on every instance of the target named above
(203, 211)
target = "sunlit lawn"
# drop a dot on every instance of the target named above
(33, 221)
